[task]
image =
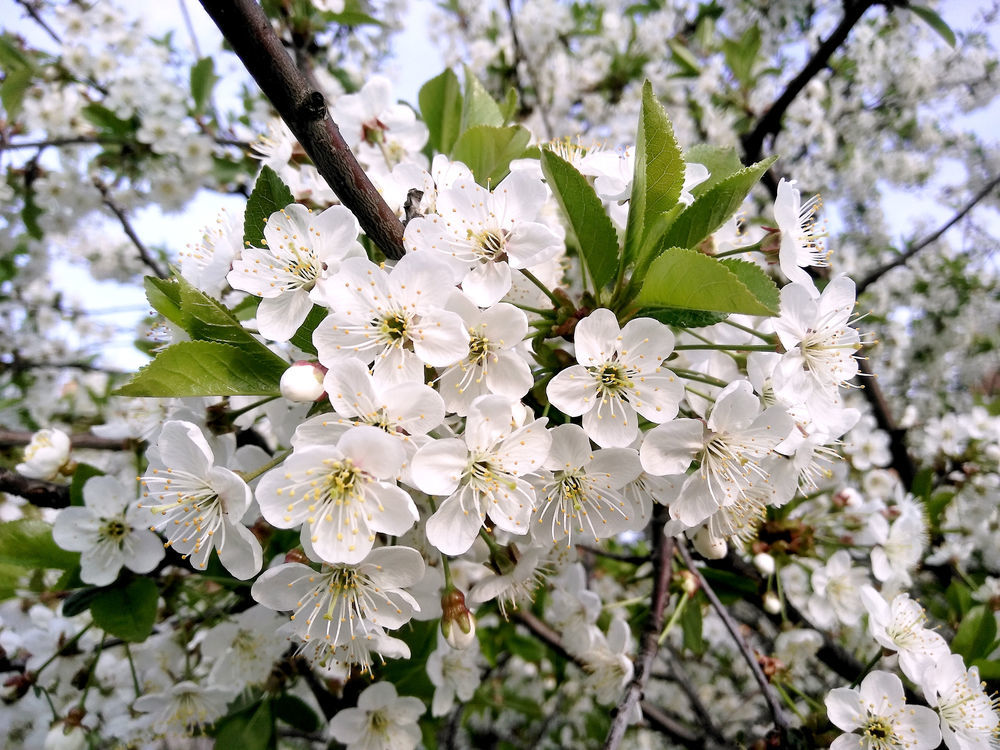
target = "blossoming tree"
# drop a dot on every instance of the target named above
(537, 411)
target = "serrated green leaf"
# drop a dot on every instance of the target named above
(28, 543)
(673, 316)
(714, 207)
(689, 280)
(587, 218)
(164, 296)
(205, 368)
(203, 80)
(303, 337)
(127, 612)
(478, 107)
(935, 21)
(81, 474)
(269, 194)
(975, 634)
(658, 176)
(488, 151)
(353, 18)
(441, 108)
(720, 162)
(759, 283)
(12, 90)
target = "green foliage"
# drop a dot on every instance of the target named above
(303, 337)
(721, 162)
(976, 634)
(714, 207)
(741, 55)
(81, 474)
(441, 109)
(410, 675)
(205, 368)
(935, 21)
(593, 229)
(691, 626)
(658, 176)
(759, 283)
(673, 316)
(28, 543)
(249, 729)
(478, 107)
(203, 79)
(687, 279)
(488, 150)
(295, 712)
(128, 610)
(269, 194)
(14, 87)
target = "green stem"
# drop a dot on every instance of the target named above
(755, 247)
(789, 702)
(90, 673)
(545, 290)
(59, 651)
(681, 603)
(131, 667)
(535, 310)
(249, 476)
(868, 668)
(240, 412)
(700, 377)
(626, 602)
(490, 541)
(751, 331)
(699, 393)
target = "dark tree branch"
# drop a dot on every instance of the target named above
(683, 681)
(773, 705)
(14, 438)
(119, 212)
(32, 11)
(649, 642)
(912, 248)
(246, 27)
(520, 56)
(36, 491)
(101, 140)
(902, 461)
(680, 733)
(770, 122)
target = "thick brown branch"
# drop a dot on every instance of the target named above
(770, 121)
(123, 219)
(35, 491)
(912, 248)
(649, 643)
(773, 705)
(246, 27)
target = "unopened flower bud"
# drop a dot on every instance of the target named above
(46, 455)
(303, 382)
(457, 623)
(772, 604)
(708, 546)
(689, 582)
(764, 563)
(296, 556)
(66, 736)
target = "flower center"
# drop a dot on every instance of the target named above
(882, 732)
(492, 244)
(612, 378)
(342, 479)
(114, 530)
(479, 347)
(378, 721)
(394, 328)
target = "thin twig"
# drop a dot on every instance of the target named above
(118, 211)
(683, 681)
(902, 461)
(912, 248)
(36, 491)
(520, 56)
(773, 704)
(649, 643)
(37, 18)
(246, 27)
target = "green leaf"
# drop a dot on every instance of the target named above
(741, 55)
(81, 474)
(203, 79)
(441, 107)
(80, 601)
(295, 712)
(659, 171)
(478, 107)
(976, 634)
(106, 120)
(508, 107)
(714, 207)
(205, 368)
(487, 151)
(127, 612)
(673, 316)
(250, 729)
(410, 675)
(935, 21)
(303, 337)
(759, 283)
(10, 581)
(28, 543)
(269, 194)
(959, 598)
(691, 627)
(12, 90)
(720, 162)
(585, 212)
(164, 296)
(988, 669)
(686, 61)
(11, 55)
(692, 281)
(353, 18)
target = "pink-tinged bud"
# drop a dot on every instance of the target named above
(772, 604)
(708, 546)
(764, 563)
(458, 625)
(303, 382)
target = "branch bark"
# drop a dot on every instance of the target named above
(129, 230)
(246, 27)
(649, 644)
(14, 438)
(913, 248)
(37, 492)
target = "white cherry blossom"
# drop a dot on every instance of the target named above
(899, 626)
(382, 721)
(802, 242)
